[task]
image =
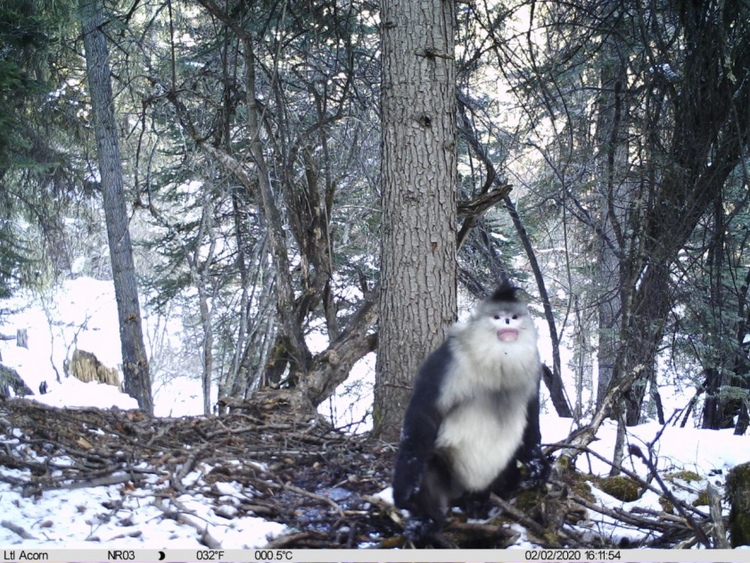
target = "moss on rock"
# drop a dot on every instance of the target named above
(738, 492)
(684, 475)
(621, 487)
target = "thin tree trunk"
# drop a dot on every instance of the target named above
(208, 344)
(234, 381)
(134, 361)
(613, 150)
(418, 253)
(552, 377)
(291, 331)
(200, 274)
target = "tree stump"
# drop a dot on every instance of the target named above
(87, 367)
(22, 338)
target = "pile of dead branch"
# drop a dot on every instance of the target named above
(303, 473)
(291, 462)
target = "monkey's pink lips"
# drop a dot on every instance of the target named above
(507, 334)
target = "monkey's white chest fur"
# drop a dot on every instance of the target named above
(484, 403)
(479, 441)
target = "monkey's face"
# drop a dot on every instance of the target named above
(507, 325)
(504, 321)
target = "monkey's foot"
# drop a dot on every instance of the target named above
(476, 505)
(423, 532)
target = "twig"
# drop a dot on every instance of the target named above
(183, 515)
(187, 467)
(719, 532)
(700, 534)
(644, 484)
(528, 523)
(288, 540)
(14, 480)
(660, 525)
(321, 498)
(584, 436)
(105, 481)
(15, 528)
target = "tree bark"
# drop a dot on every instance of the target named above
(418, 252)
(137, 380)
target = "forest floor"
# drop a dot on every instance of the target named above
(295, 470)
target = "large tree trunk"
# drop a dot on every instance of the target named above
(418, 255)
(137, 381)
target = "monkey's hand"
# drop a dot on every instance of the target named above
(406, 482)
(538, 469)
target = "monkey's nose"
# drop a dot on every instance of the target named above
(507, 321)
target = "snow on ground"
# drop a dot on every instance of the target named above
(111, 516)
(704, 452)
(709, 454)
(79, 519)
(119, 514)
(83, 314)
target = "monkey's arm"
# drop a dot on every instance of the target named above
(530, 453)
(417, 445)
(421, 425)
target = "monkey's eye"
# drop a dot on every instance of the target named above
(515, 317)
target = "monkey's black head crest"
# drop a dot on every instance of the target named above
(505, 293)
